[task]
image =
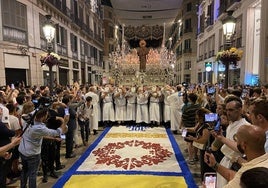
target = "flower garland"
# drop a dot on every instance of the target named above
(49, 59)
(232, 56)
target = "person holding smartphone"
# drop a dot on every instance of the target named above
(85, 113)
(5, 164)
(201, 139)
(30, 146)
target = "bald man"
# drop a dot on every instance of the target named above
(250, 141)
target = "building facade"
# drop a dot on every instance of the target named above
(250, 36)
(78, 41)
(183, 38)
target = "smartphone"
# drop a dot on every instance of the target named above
(218, 125)
(62, 136)
(184, 133)
(66, 110)
(220, 85)
(35, 101)
(244, 93)
(210, 179)
(211, 117)
(211, 90)
(12, 86)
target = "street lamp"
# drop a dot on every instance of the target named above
(228, 25)
(49, 32)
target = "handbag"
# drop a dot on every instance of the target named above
(199, 145)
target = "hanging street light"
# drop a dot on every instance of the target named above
(49, 32)
(228, 26)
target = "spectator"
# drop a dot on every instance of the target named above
(69, 140)
(258, 115)
(202, 139)
(5, 165)
(229, 149)
(30, 146)
(189, 116)
(84, 115)
(254, 178)
(250, 141)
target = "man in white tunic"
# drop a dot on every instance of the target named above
(154, 109)
(176, 102)
(131, 97)
(167, 91)
(120, 105)
(94, 120)
(142, 115)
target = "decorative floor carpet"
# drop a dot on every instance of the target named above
(130, 157)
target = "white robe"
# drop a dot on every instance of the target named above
(166, 106)
(94, 120)
(131, 106)
(120, 107)
(154, 108)
(142, 108)
(176, 103)
(108, 108)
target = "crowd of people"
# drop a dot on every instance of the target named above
(34, 121)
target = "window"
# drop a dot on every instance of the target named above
(187, 78)
(73, 43)
(110, 15)
(189, 7)
(188, 24)
(81, 13)
(61, 35)
(87, 20)
(14, 18)
(82, 47)
(187, 65)
(111, 32)
(187, 44)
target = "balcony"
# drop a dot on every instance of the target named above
(62, 8)
(15, 35)
(228, 5)
(188, 30)
(61, 50)
(74, 55)
(211, 53)
(201, 58)
(187, 50)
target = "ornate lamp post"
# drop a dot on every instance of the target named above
(228, 25)
(49, 32)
